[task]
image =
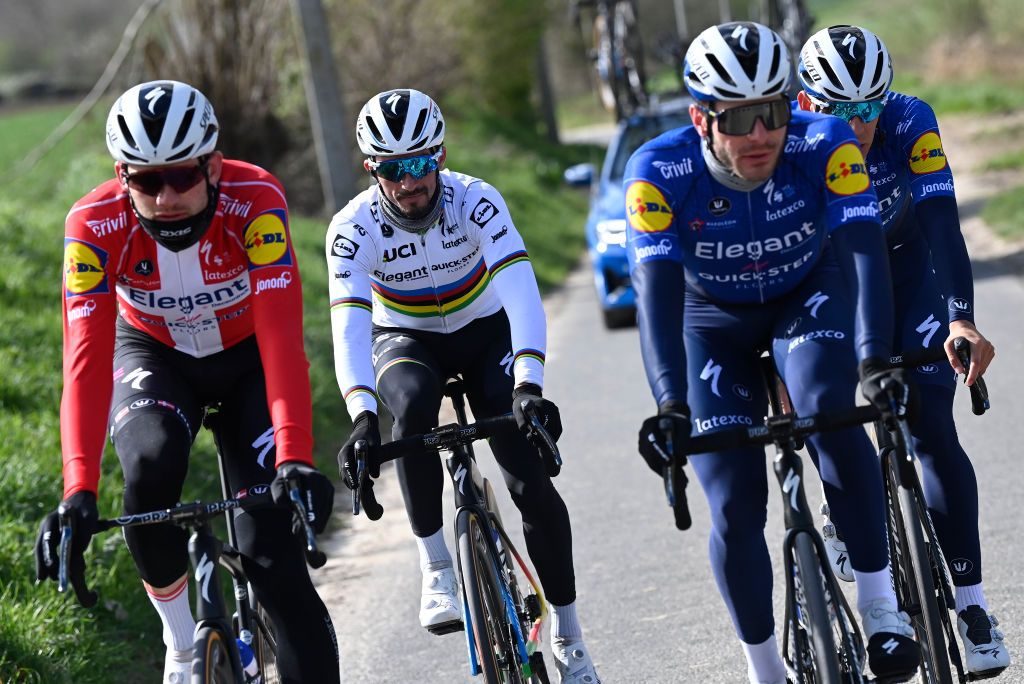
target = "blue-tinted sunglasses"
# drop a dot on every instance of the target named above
(865, 111)
(395, 169)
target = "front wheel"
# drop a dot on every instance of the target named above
(213, 660)
(915, 585)
(813, 638)
(487, 616)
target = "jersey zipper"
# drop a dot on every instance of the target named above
(433, 285)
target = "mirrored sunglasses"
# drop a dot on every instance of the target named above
(181, 179)
(741, 120)
(395, 169)
(865, 111)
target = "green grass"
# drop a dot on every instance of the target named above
(1010, 161)
(1004, 213)
(45, 637)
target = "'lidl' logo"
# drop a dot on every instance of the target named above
(266, 240)
(927, 155)
(84, 268)
(646, 208)
(846, 173)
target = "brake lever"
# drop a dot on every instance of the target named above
(979, 390)
(361, 472)
(314, 556)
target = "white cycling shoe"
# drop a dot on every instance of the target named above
(983, 643)
(893, 654)
(573, 664)
(440, 606)
(835, 548)
(177, 667)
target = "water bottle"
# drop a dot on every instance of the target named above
(252, 670)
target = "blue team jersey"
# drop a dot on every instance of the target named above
(744, 247)
(907, 164)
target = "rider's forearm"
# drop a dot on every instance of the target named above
(940, 221)
(517, 289)
(660, 290)
(860, 249)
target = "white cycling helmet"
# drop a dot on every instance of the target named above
(740, 60)
(845, 64)
(399, 122)
(161, 122)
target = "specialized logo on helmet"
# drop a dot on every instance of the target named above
(266, 240)
(646, 208)
(927, 155)
(846, 173)
(84, 269)
(152, 97)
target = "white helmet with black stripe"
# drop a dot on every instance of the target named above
(736, 61)
(161, 122)
(399, 122)
(845, 64)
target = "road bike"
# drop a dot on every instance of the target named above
(216, 657)
(822, 641)
(920, 575)
(503, 622)
(617, 54)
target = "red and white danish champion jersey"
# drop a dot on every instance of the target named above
(240, 279)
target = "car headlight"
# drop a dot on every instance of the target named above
(611, 231)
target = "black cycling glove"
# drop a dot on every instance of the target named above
(881, 383)
(526, 399)
(367, 428)
(315, 490)
(651, 440)
(81, 507)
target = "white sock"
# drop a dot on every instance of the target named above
(565, 624)
(872, 586)
(970, 595)
(175, 614)
(433, 551)
(764, 664)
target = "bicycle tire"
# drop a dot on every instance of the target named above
(816, 619)
(916, 586)
(489, 626)
(212, 661)
(603, 56)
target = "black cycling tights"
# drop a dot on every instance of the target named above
(159, 398)
(412, 389)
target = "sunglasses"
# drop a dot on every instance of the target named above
(181, 179)
(865, 111)
(395, 169)
(741, 120)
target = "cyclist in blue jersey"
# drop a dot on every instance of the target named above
(846, 71)
(756, 228)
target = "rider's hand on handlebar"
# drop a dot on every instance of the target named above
(982, 351)
(882, 385)
(526, 398)
(652, 440)
(365, 427)
(315, 489)
(80, 511)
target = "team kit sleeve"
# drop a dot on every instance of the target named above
(89, 308)
(934, 197)
(855, 229)
(277, 317)
(513, 279)
(655, 254)
(349, 265)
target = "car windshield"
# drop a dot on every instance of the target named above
(636, 134)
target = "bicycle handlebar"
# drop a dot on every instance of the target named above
(445, 438)
(979, 390)
(184, 515)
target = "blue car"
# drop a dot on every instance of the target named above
(606, 222)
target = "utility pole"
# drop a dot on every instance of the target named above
(323, 97)
(547, 99)
(682, 29)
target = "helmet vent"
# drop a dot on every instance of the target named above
(776, 58)
(186, 122)
(830, 73)
(420, 121)
(722, 71)
(126, 133)
(373, 129)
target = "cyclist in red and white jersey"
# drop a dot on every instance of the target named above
(181, 292)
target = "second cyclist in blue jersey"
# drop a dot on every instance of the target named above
(755, 229)
(846, 71)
